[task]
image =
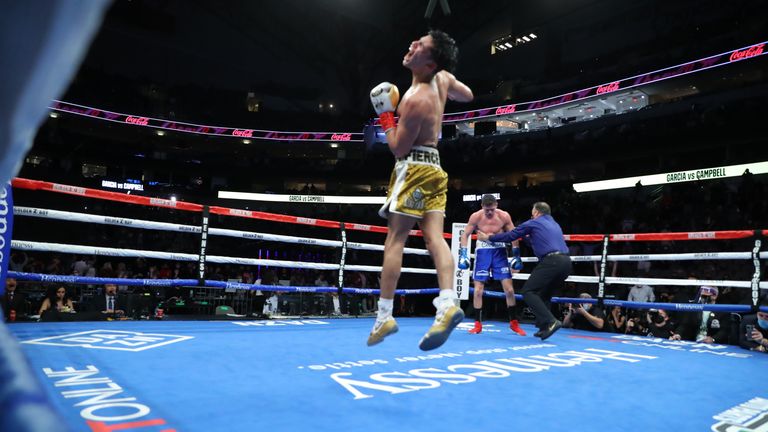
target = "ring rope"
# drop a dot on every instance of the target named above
(84, 280)
(173, 256)
(652, 281)
(165, 226)
(663, 257)
(28, 184)
(22, 183)
(146, 224)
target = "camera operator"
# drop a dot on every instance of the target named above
(754, 330)
(585, 316)
(659, 324)
(637, 323)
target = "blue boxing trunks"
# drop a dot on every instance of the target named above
(491, 261)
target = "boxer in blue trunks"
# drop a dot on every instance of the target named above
(491, 259)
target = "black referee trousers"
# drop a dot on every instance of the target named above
(545, 278)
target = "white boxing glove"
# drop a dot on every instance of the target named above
(385, 98)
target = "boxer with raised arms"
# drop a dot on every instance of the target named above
(418, 185)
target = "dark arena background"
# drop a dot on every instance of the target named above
(191, 239)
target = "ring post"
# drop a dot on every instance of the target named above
(603, 262)
(203, 245)
(342, 257)
(755, 285)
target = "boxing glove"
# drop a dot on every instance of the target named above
(463, 259)
(385, 98)
(516, 263)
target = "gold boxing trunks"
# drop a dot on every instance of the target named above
(418, 184)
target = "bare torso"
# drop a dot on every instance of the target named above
(501, 221)
(432, 96)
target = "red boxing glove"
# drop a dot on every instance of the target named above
(387, 121)
(385, 98)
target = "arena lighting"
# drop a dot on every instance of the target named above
(310, 199)
(711, 173)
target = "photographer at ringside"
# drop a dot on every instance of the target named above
(659, 324)
(585, 316)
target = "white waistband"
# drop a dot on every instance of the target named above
(482, 244)
(425, 155)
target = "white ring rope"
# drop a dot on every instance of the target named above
(103, 220)
(164, 226)
(138, 223)
(663, 257)
(103, 251)
(652, 281)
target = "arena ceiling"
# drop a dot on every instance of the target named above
(297, 54)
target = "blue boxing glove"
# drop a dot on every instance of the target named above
(463, 259)
(516, 263)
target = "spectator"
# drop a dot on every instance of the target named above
(57, 300)
(617, 320)
(80, 266)
(109, 303)
(754, 330)
(705, 326)
(641, 293)
(13, 300)
(585, 316)
(18, 261)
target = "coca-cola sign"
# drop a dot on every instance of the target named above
(244, 133)
(623, 84)
(508, 109)
(744, 53)
(202, 129)
(754, 50)
(608, 88)
(139, 121)
(341, 137)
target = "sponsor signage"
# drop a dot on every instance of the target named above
(122, 186)
(104, 404)
(6, 231)
(699, 65)
(110, 340)
(751, 415)
(710, 173)
(478, 197)
(154, 123)
(307, 199)
(463, 370)
(460, 277)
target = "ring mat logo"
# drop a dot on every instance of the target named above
(487, 328)
(747, 417)
(111, 340)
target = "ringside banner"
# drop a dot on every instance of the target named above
(461, 277)
(6, 229)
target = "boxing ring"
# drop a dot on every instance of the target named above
(317, 374)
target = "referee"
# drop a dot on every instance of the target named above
(545, 237)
